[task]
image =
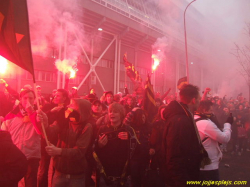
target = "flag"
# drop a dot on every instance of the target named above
(181, 82)
(14, 34)
(130, 70)
(149, 100)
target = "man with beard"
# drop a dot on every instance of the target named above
(182, 145)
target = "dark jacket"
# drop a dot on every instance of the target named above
(180, 145)
(74, 139)
(115, 154)
(13, 163)
(156, 135)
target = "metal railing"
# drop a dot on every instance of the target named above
(122, 7)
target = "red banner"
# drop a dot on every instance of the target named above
(14, 34)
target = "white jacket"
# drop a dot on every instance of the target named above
(208, 129)
(24, 135)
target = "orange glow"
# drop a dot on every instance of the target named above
(156, 62)
(72, 74)
(3, 65)
(67, 67)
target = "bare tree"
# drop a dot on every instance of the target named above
(242, 54)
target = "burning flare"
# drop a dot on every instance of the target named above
(156, 62)
(3, 65)
(67, 67)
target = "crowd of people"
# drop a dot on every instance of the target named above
(111, 141)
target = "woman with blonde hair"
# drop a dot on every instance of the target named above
(114, 149)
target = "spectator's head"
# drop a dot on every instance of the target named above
(74, 90)
(130, 101)
(61, 97)
(109, 97)
(117, 98)
(116, 113)
(39, 90)
(241, 107)
(82, 106)
(91, 97)
(27, 97)
(97, 106)
(226, 110)
(139, 117)
(189, 95)
(205, 107)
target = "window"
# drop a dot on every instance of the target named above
(45, 76)
(104, 63)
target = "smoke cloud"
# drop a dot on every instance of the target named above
(217, 25)
(55, 24)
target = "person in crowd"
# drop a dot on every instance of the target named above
(25, 131)
(140, 160)
(96, 110)
(223, 117)
(246, 106)
(182, 148)
(205, 94)
(7, 99)
(130, 103)
(240, 109)
(13, 165)
(55, 112)
(117, 98)
(92, 91)
(210, 136)
(91, 97)
(156, 146)
(51, 96)
(240, 135)
(158, 104)
(41, 100)
(114, 148)
(74, 137)
(74, 93)
(109, 98)
(96, 114)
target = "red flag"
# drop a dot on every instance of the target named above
(130, 70)
(149, 100)
(14, 33)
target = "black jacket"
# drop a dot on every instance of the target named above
(181, 146)
(13, 163)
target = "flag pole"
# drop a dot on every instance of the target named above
(185, 36)
(33, 74)
(39, 108)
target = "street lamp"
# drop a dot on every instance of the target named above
(185, 35)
